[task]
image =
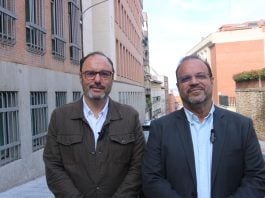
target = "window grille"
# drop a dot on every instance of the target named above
(57, 21)
(60, 98)
(35, 23)
(10, 146)
(76, 95)
(39, 119)
(7, 22)
(74, 31)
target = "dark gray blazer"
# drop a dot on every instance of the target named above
(238, 169)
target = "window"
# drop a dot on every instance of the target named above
(39, 119)
(76, 95)
(35, 31)
(74, 31)
(9, 128)
(60, 98)
(7, 22)
(156, 99)
(57, 21)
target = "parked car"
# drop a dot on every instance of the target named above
(146, 129)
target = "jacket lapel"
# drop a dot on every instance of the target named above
(219, 123)
(186, 140)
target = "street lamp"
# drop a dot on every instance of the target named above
(93, 6)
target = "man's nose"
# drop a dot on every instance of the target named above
(97, 77)
(194, 80)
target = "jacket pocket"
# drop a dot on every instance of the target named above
(69, 139)
(121, 147)
(123, 138)
(67, 145)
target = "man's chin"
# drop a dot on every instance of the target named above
(96, 97)
(197, 100)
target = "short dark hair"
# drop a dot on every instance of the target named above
(194, 57)
(92, 54)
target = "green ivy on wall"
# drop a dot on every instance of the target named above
(249, 75)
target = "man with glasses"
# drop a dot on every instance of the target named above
(95, 145)
(202, 150)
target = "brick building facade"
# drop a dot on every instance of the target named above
(40, 48)
(231, 50)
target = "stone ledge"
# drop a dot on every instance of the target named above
(251, 84)
(262, 89)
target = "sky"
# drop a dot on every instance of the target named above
(175, 26)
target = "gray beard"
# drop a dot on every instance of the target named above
(96, 97)
(197, 101)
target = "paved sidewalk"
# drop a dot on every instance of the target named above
(38, 188)
(34, 189)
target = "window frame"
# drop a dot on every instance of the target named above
(76, 95)
(57, 29)
(7, 22)
(74, 31)
(10, 143)
(60, 98)
(35, 26)
(39, 119)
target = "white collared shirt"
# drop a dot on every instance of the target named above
(95, 123)
(202, 147)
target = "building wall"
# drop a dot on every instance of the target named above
(131, 95)
(251, 102)
(171, 102)
(24, 79)
(157, 100)
(236, 57)
(24, 72)
(19, 54)
(129, 36)
(231, 52)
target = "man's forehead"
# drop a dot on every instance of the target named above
(193, 64)
(96, 59)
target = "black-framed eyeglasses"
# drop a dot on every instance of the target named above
(198, 76)
(90, 75)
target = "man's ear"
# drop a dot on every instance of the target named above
(212, 80)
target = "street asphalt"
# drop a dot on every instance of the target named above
(38, 188)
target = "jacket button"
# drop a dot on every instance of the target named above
(97, 187)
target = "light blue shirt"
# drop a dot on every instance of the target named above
(202, 147)
(94, 122)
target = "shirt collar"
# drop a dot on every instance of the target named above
(192, 117)
(87, 110)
